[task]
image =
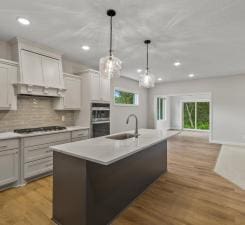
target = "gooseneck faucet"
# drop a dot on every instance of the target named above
(136, 133)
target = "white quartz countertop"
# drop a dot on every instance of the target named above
(11, 135)
(107, 151)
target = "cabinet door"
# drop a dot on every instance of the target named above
(105, 89)
(8, 166)
(95, 87)
(31, 68)
(52, 72)
(72, 98)
(4, 92)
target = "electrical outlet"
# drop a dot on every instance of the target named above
(63, 118)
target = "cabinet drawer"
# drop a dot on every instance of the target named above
(38, 167)
(79, 139)
(46, 139)
(9, 144)
(79, 134)
(40, 151)
(8, 166)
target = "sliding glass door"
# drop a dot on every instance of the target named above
(196, 115)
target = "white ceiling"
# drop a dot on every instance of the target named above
(207, 36)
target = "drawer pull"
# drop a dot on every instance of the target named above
(36, 164)
(3, 146)
(48, 165)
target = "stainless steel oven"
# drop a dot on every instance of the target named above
(100, 119)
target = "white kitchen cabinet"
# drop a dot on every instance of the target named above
(95, 86)
(98, 87)
(72, 96)
(105, 89)
(32, 71)
(8, 77)
(9, 161)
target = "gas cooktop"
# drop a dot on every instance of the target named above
(39, 129)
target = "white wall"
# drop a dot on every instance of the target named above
(228, 108)
(5, 51)
(119, 114)
(72, 67)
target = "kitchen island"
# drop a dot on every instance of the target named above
(95, 179)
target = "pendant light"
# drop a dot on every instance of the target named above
(110, 66)
(147, 79)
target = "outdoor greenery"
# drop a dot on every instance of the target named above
(122, 97)
(199, 110)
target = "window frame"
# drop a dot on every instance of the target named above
(136, 94)
(195, 101)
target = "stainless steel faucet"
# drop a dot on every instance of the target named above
(136, 133)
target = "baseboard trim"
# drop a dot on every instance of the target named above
(226, 143)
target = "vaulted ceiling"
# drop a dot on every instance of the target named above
(206, 36)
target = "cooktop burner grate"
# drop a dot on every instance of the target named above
(39, 129)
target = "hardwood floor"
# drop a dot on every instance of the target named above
(189, 194)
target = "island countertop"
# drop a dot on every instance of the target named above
(106, 151)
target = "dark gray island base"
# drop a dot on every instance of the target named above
(88, 193)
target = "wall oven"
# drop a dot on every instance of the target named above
(100, 119)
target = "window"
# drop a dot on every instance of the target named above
(127, 98)
(161, 108)
(196, 115)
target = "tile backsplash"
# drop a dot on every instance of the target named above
(34, 112)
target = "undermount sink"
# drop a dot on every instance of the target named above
(121, 136)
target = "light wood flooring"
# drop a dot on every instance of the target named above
(189, 194)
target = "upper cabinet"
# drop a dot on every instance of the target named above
(98, 88)
(8, 77)
(72, 96)
(40, 69)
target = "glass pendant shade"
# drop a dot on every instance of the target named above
(147, 80)
(110, 67)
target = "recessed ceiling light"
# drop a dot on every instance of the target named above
(85, 47)
(177, 63)
(191, 75)
(139, 70)
(159, 79)
(23, 21)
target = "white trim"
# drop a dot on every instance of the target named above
(8, 62)
(128, 91)
(226, 142)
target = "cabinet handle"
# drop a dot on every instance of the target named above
(48, 151)
(3, 146)
(48, 165)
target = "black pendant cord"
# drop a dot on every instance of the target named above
(147, 42)
(111, 38)
(147, 59)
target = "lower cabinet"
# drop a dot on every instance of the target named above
(38, 167)
(9, 163)
(35, 158)
(38, 157)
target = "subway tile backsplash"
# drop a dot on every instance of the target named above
(34, 112)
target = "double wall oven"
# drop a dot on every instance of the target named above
(100, 119)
